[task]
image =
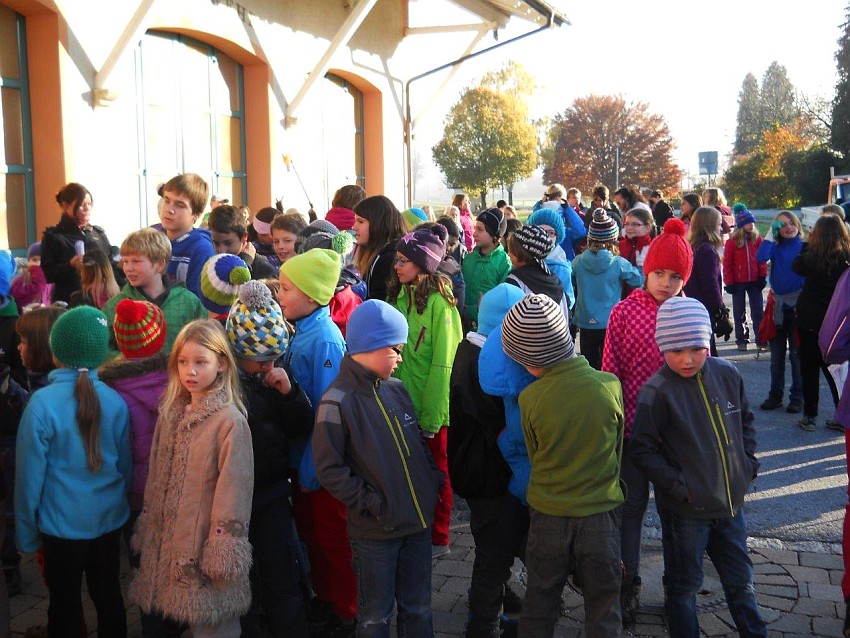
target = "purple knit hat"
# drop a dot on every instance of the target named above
(426, 247)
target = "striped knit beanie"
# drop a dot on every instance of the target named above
(139, 328)
(535, 242)
(255, 325)
(682, 322)
(603, 228)
(220, 280)
(535, 333)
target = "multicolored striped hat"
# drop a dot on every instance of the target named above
(682, 322)
(220, 280)
(255, 325)
(139, 328)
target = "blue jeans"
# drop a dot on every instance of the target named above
(740, 294)
(685, 541)
(390, 572)
(592, 544)
(786, 340)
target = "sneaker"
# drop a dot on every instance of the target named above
(509, 627)
(630, 599)
(771, 403)
(795, 407)
(808, 424)
(834, 425)
(438, 551)
(512, 603)
(763, 346)
(338, 628)
(743, 347)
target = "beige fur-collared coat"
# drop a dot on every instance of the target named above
(193, 530)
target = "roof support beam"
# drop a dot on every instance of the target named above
(342, 38)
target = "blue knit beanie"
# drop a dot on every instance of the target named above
(375, 324)
(495, 305)
(743, 216)
(549, 217)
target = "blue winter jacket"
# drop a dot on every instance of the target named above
(313, 355)
(599, 278)
(501, 376)
(55, 492)
(782, 279)
(563, 270)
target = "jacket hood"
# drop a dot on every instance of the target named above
(120, 369)
(498, 374)
(597, 262)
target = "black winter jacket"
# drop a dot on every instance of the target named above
(58, 249)
(694, 439)
(476, 466)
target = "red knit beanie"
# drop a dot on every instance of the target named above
(670, 251)
(139, 328)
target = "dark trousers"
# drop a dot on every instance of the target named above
(492, 566)
(592, 345)
(65, 561)
(275, 575)
(633, 511)
(592, 545)
(810, 362)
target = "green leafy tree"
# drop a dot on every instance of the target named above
(840, 136)
(598, 135)
(748, 132)
(808, 171)
(745, 181)
(488, 142)
(777, 98)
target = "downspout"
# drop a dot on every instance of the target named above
(408, 141)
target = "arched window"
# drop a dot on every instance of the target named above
(17, 193)
(192, 116)
(343, 131)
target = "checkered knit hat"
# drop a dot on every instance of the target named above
(79, 338)
(603, 228)
(255, 324)
(220, 280)
(535, 333)
(139, 328)
(682, 322)
(535, 242)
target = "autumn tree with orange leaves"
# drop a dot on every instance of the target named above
(592, 132)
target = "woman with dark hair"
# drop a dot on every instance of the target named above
(690, 203)
(63, 245)
(378, 225)
(821, 262)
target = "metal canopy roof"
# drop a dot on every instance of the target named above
(499, 11)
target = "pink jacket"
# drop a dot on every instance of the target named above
(26, 290)
(468, 225)
(630, 349)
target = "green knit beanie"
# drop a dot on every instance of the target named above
(80, 338)
(315, 273)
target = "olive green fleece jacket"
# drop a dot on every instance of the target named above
(572, 420)
(426, 366)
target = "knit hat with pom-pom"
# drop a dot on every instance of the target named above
(220, 280)
(603, 228)
(743, 216)
(670, 251)
(255, 325)
(139, 328)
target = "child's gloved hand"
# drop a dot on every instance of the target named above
(776, 226)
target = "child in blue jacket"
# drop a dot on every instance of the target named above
(74, 447)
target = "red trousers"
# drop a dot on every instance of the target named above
(322, 523)
(443, 512)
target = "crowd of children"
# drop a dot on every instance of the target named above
(275, 414)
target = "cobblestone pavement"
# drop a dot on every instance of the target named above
(798, 588)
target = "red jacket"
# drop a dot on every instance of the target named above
(341, 306)
(634, 250)
(739, 264)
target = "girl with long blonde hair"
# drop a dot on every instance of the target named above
(192, 533)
